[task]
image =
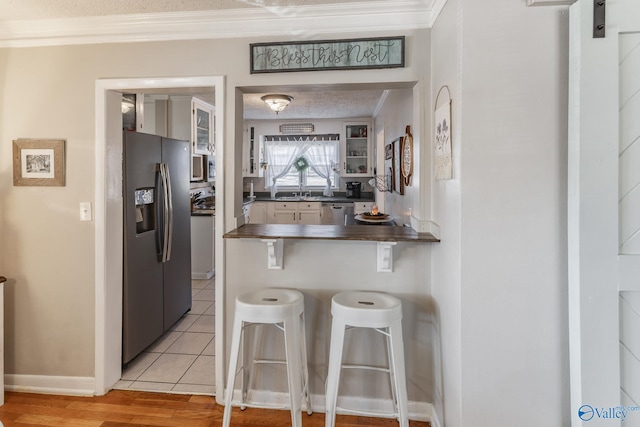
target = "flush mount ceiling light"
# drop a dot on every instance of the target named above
(277, 102)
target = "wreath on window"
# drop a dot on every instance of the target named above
(301, 164)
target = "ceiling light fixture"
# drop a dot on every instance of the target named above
(277, 102)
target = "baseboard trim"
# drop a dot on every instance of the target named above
(72, 386)
(418, 411)
(202, 276)
(85, 386)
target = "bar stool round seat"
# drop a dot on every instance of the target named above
(284, 309)
(383, 313)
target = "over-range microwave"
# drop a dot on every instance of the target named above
(197, 171)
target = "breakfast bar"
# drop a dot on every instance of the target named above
(275, 234)
(374, 233)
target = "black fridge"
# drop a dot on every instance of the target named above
(157, 238)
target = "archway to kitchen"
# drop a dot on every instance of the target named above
(108, 215)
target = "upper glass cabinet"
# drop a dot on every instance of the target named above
(203, 131)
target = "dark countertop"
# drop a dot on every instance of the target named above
(338, 198)
(203, 212)
(373, 233)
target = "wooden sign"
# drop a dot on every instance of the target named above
(355, 54)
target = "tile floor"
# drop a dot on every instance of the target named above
(182, 360)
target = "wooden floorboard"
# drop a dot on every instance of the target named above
(120, 408)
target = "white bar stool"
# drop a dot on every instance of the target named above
(382, 312)
(283, 308)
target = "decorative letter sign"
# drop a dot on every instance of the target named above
(327, 55)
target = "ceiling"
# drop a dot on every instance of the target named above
(328, 104)
(320, 102)
(55, 9)
(324, 102)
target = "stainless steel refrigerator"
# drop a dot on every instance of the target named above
(157, 238)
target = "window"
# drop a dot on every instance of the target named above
(320, 151)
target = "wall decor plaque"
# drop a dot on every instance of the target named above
(352, 54)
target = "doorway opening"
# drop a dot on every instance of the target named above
(108, 217)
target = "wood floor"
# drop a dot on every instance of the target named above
(120, 408)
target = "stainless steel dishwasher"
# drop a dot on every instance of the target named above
(334, 213)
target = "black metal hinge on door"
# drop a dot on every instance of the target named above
(599, 7)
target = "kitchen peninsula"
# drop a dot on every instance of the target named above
(274, 235)
(373, 233)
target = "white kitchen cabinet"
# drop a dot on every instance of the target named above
(309, 212)
(294, 212)
(256, 213)
(252, 153)
(203, 127)
(193, 120)
(202, 246)
(283, 212)
(356, 149)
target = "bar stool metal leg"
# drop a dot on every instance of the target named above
(291, 334)
(333, 374)
(305, 369)
(398, 372)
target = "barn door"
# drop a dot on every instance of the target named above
(604, 214)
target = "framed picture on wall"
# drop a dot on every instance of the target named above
(388, 167)
(38, 162)
(396, 177)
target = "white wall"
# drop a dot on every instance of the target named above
(507, 310)
(446, 49)
(394, 116)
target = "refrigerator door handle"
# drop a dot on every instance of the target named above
(170, 206)
(159, 235)
(166, 215)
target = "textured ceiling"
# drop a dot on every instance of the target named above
(54, 9)
(314, 104)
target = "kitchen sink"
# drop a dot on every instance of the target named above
(300, 198)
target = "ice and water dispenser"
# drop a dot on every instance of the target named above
(145, 210)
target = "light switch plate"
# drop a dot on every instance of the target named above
(85, 211)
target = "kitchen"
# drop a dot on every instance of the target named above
(340, 123)
(349, 198)
(352, 192)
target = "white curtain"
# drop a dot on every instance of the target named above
(280, 157)
(282, 151)
(320, 159)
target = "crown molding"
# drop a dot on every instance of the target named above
(549, 2)
(296, 22)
